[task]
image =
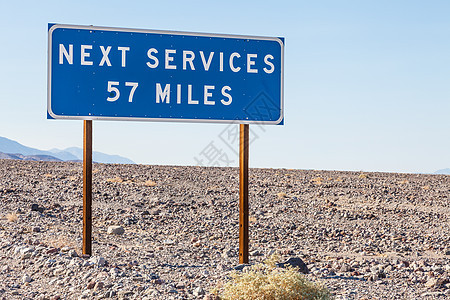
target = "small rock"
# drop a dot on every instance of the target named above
(388, 269)
(155, 211)
(65, 249)
(114, 272)
(158, 281)
(227, 253)
(241, 267)
(26, 253)
(168, 242)
(36, 207)
(431, 282)
(198, 291)
(51, 250)
(110, 294)
(97, 260)
(123, 294)
(118, 230)
(91, 284)
(98, 286)
(73, 253)
(345, 268)
(36, 229)
(26, 279)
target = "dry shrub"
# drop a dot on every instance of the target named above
(268, 282)
(63, 241)
(12, 217)
(317, 180)
(116, 179)
(150, 183)
(282, 195)
(362, 176)
(403, 182)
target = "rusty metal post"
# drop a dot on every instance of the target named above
(243, 193)
(87, 187)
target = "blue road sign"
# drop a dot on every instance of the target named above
(132, 74)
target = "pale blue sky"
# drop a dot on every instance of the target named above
(366, 82)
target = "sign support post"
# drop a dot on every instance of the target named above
(87, 187)
(243, 193)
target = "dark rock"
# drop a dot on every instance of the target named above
(295, 262)
(91, 284)
(36, 207)
(51, 250)
(241, 267)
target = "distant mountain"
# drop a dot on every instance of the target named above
(64, 155)
(28, 157)
(10, 146)
(10, 149)
(443, 171)
(97, 156)
(9, 156)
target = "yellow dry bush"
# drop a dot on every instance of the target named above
(12, 217)
(150, 183)
(282, 195)
(265, 281)
(362, 176)
(317, 180)
(116, 179)
(62, 241)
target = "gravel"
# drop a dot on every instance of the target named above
(169, 232)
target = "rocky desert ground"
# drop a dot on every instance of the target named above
(164, 232)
